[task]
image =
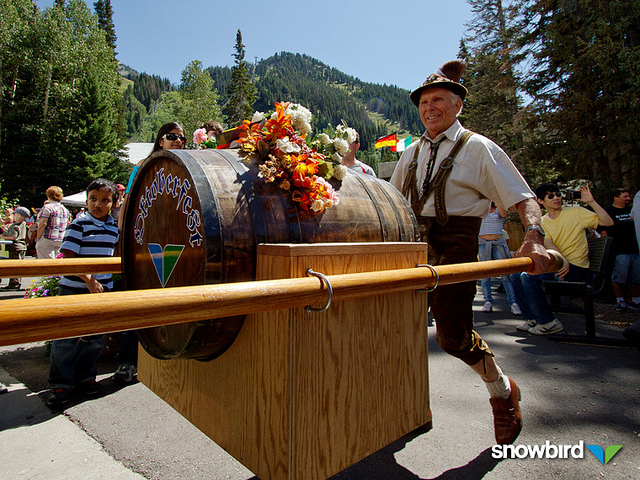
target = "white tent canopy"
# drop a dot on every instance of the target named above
(135, 152)
(76, 200)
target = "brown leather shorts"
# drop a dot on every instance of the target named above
(452, 305)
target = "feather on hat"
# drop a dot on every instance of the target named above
(447, 76)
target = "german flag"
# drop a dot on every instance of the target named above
(388, 141)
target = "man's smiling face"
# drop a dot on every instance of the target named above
(438, 108)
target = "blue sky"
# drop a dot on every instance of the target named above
(397, 43)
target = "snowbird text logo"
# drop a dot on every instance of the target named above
(554, 451)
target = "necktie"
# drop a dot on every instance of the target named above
(432, 161)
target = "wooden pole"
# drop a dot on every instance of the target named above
(49, 318)
(60, 266)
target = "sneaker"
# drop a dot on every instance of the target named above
(59, 397)
(515, 309)
(89, 388)
(621, 306)
(633, 306)
(488, 307)
(125, 373)
(526, 326)
(3, 388)
(546, 328)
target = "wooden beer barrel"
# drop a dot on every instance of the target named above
(195, 217)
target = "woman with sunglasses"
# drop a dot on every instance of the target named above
(170, 136)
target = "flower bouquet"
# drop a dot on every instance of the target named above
(43, 287)
(202, 140)
(335, 148)
(278, 147)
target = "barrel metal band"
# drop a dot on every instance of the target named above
(435, 272)
(324, 279)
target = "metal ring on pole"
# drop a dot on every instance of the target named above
(435, 272)
(324, 279)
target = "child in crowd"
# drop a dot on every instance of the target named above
(72, 363)
(16, 232)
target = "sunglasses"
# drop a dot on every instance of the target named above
(172, 137)
(551, 196)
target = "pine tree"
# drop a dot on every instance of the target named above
(584, 82)
(490, 50)
(241, 93)
(105, 21)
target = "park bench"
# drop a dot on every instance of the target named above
(600, 266)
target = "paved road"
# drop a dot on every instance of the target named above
(571, 393)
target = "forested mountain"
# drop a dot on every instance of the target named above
(138, 98)
(373, 110)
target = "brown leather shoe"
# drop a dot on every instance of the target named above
(507, 420)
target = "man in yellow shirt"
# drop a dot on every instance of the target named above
(565, 231)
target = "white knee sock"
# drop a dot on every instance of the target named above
(499, 388)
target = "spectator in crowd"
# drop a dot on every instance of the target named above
(170, 136)
(115, 213)
(492, 245)
(7, 218)
(349, 159)
(213, 129)
(626, 270)
(52, 221)
(72, 362)
(17, 233)
(565, 231)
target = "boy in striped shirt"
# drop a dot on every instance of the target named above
(72, 363)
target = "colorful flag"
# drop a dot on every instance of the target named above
(404, 143)
(388, 141)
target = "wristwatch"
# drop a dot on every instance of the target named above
(535, 228)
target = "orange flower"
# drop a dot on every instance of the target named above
(300, 176)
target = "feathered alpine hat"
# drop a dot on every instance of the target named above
(448, 76)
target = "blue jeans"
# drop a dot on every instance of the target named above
(499, 251)
(531, 297)
(73, 359)
(128, 352)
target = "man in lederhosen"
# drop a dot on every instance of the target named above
(450, 176)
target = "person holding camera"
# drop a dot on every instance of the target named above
(564, 231)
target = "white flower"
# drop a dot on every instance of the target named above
(339, 172)
(352, 135)
(285, 146)
(303, 127)
(348, 133)
(317, 205)
(336, 157)
(300, 117)
(257, 117)
(341, 145)
(325, 139)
